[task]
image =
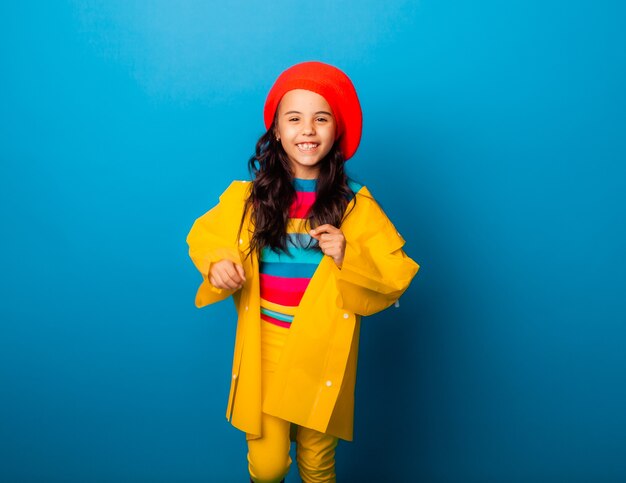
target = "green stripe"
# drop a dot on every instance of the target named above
(277, 315)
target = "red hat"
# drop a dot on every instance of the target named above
(334, 86)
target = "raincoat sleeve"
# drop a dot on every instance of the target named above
(375, 271)
(213, 237)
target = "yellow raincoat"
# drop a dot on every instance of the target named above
(315, 380)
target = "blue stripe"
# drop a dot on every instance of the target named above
(277, 315)
(303, 240)
(309, 185)
(305, 185)
(292, 270)
(295, 255)
(354, 186)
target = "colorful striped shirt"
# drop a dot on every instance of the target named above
(284, 277)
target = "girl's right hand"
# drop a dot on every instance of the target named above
(227, 275)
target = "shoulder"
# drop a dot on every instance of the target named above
(362, 194)
(359, 191)
(370, 220)
(237, 191)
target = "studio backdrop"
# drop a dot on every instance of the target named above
(494, 138)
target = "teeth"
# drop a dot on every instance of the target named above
(307, 146)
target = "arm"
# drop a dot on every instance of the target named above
(213, 237)
(375, 271)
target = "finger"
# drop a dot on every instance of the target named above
(326, 228)
(231, 284)
(231, 278)
(330, 236)
(224, 275)
(233, 274)
(217, 281)
(241, 272)
(326, 244)
(223, 279)
(332, 249)
(327, 249)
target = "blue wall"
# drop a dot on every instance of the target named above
(494, 137)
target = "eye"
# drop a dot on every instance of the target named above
(294, 119)
(322, 119)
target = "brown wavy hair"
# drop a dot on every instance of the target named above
(273, 193)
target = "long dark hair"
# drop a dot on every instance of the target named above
(273, 193)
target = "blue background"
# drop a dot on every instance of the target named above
(495, 138)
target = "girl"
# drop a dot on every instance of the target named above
(305, 252)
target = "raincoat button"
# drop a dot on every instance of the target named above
(345, 316)
(234, 376)
(329, 383)
(240, 241)
(246, 307)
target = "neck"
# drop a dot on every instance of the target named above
(305, 173)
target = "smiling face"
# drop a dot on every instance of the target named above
(306, 129)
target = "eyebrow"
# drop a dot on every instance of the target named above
(318, 112)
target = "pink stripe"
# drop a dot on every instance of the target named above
(281, 297)
(284, 284)
(302, 204)
(274, 321)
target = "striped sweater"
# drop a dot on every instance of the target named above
(284, 277)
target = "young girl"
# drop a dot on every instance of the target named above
(305, 252)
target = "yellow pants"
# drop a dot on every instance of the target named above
(268, 456)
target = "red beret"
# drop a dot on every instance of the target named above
(334, 86)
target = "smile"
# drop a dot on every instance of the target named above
(307, 146)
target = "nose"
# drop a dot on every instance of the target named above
(308, 128)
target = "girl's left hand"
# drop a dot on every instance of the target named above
(331, 241)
